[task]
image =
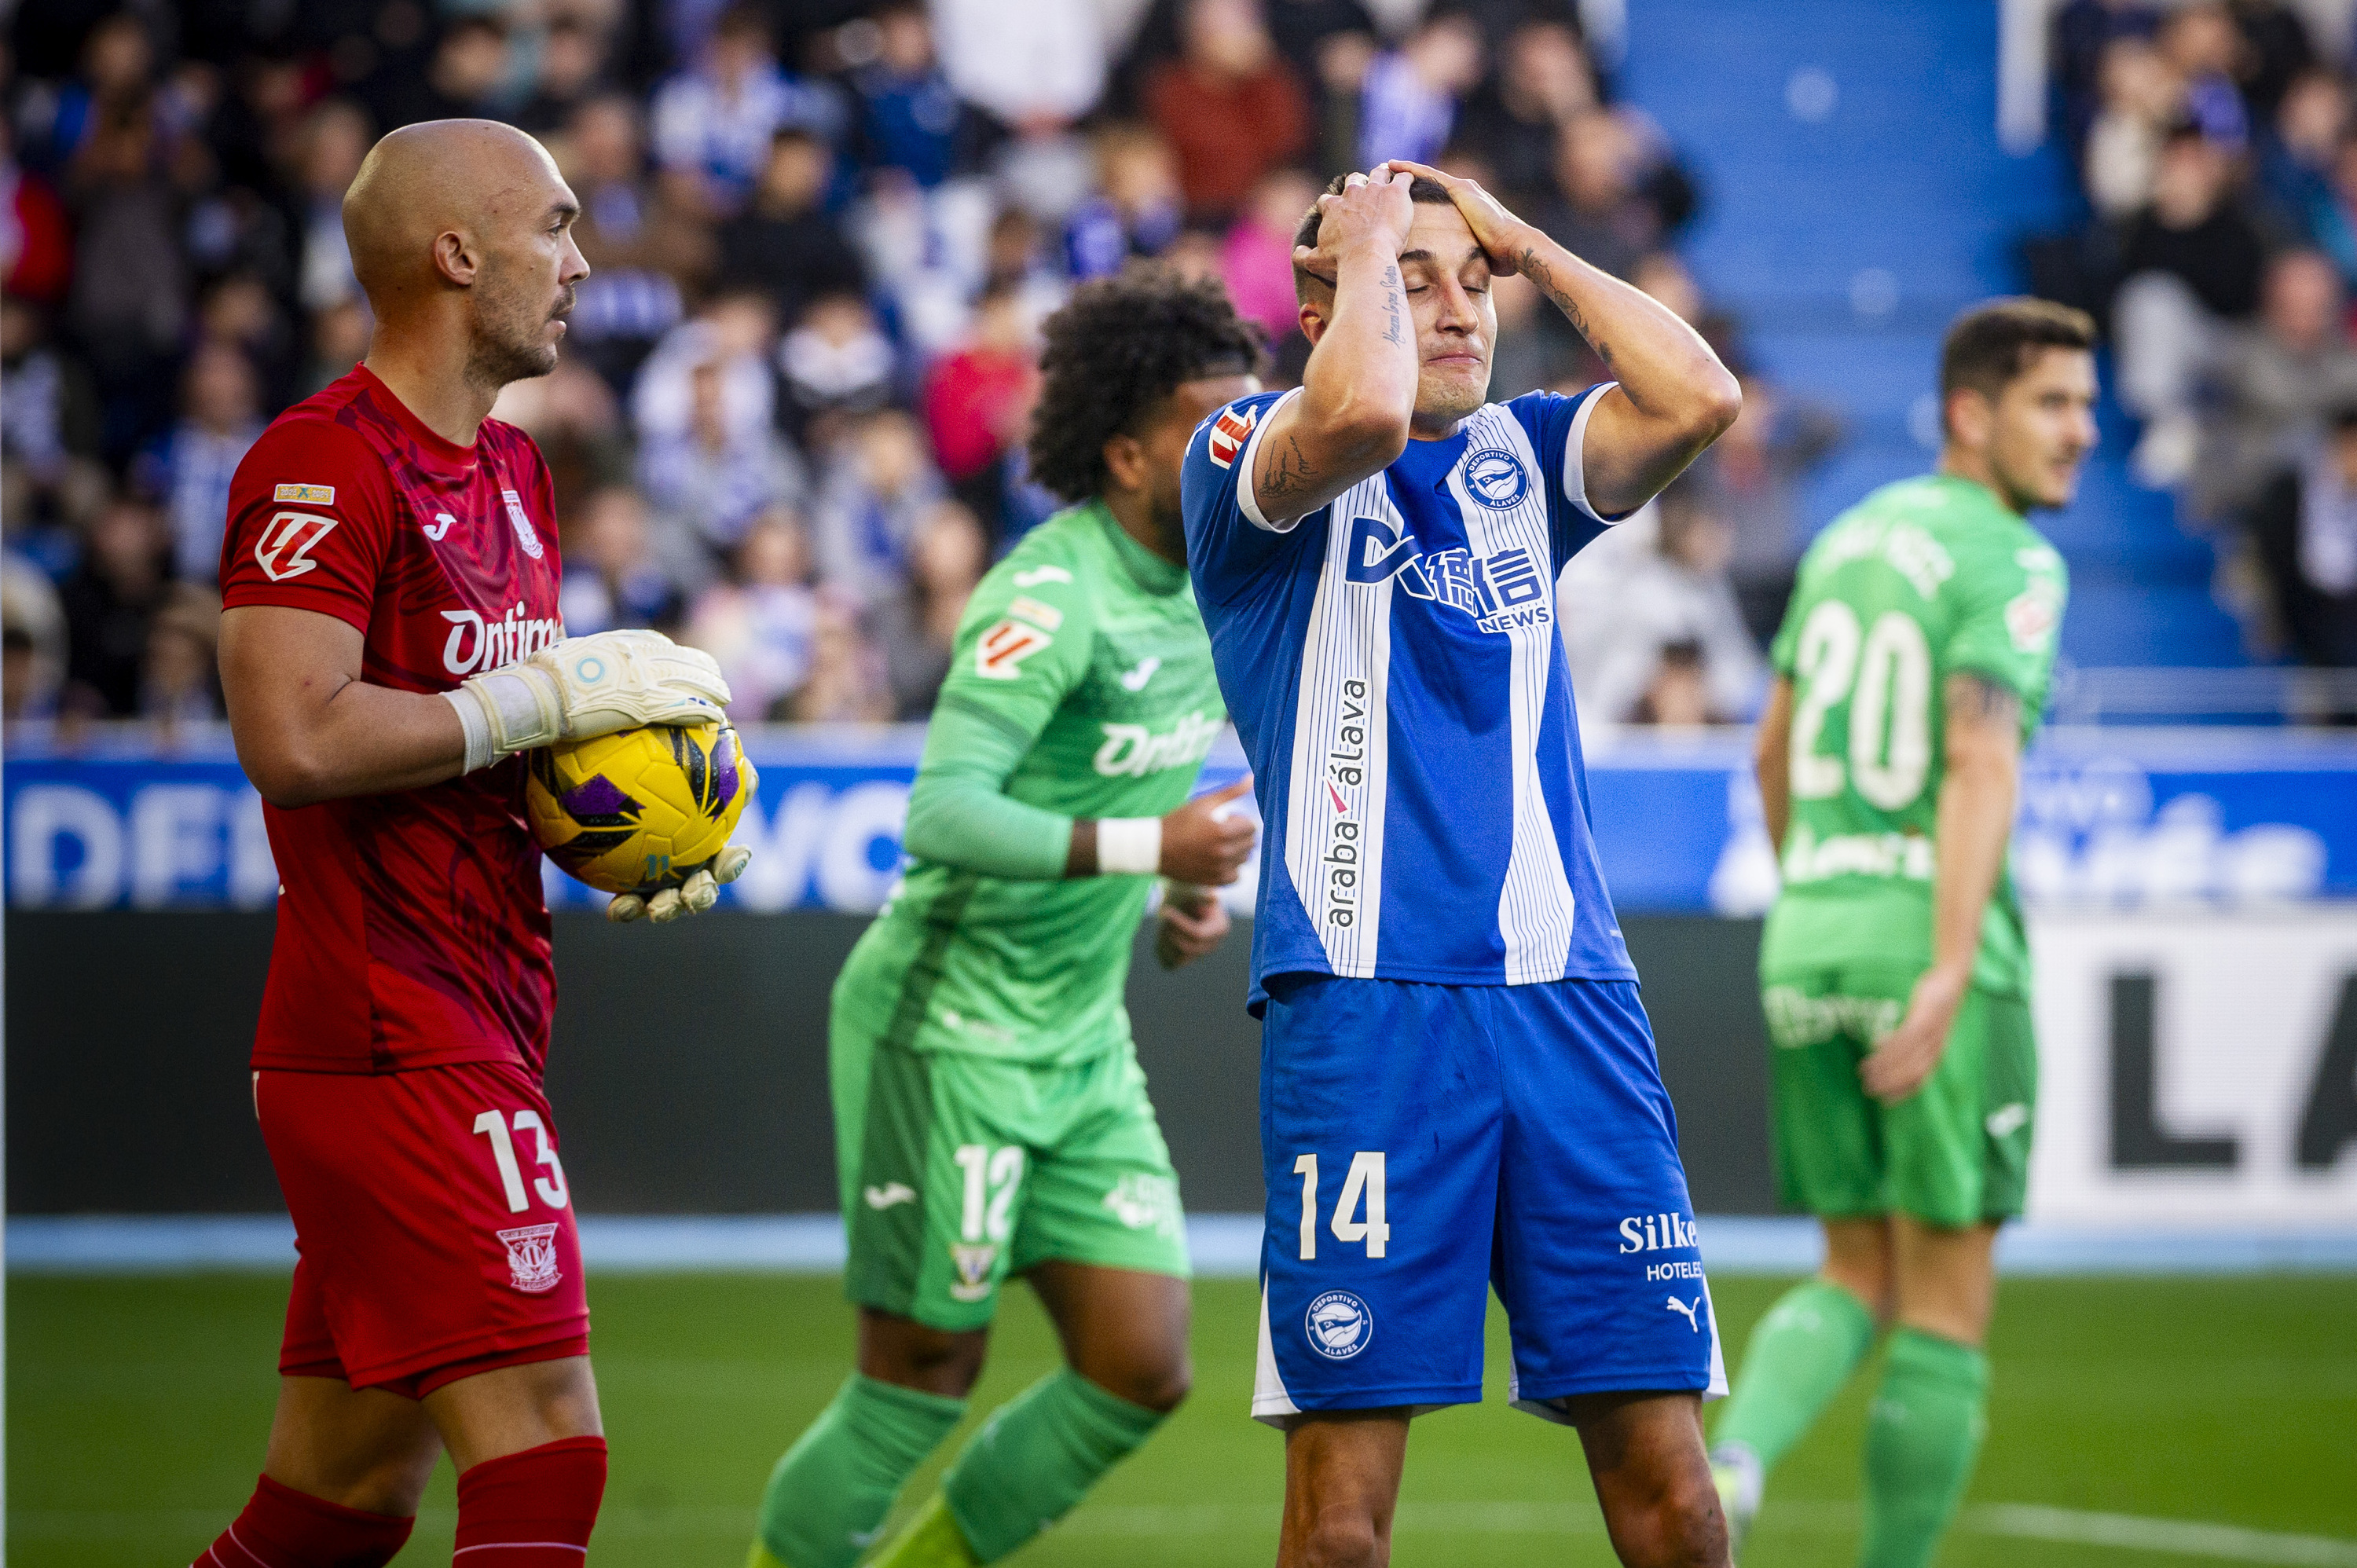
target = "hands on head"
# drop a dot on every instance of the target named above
(1370, 209)
(1376, 206)
(1502, 236)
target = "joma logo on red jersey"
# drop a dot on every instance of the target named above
(285, 549)
(1228, 433)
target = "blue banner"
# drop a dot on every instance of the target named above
(2116, 818)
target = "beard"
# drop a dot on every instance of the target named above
(1167, 516)
(495, 364)
(1451, 398)
(511, 339)
(2029, 483)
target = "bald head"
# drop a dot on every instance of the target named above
(463, 227)
(466, 177)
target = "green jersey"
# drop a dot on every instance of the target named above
(1080, 686)
(1921, 580)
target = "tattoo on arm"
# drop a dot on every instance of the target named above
(1532, 266)
(1980, 700)
(1286, 475)
(1392, 334)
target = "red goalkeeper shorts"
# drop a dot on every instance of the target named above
(432, 1223)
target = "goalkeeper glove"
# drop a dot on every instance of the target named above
(691, 898)
(588, 686)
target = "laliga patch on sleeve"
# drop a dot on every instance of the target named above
(306, 495)
(285, 549)
(1046, 615)
(1230, 429)
(1000, 653)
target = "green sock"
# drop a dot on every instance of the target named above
(1035, 1459)
(830, 1493)
(1921, 1436)
(1800, 1355)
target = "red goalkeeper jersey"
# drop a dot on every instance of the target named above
(412, 931)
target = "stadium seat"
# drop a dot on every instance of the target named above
(1845, 243)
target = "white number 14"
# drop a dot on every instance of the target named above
(1365, 1180)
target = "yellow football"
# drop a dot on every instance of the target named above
(640, 811)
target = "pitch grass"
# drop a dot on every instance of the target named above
(137, 1408)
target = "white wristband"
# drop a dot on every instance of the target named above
(1129, 847)
(476, 723)
(524, 706)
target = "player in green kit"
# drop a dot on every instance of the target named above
(1911, 668)
(990, 1115)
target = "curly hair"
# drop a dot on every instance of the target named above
(1118, 347)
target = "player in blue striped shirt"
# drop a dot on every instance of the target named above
(1459, 1086)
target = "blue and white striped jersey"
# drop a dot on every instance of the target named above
(1394, 666)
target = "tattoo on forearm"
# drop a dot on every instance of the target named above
(1983, 701)
(1286, 475)
(1394, 333)
(1534, 267)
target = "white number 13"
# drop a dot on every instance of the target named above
(550, 1187)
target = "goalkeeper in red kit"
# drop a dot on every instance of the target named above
(390, 641)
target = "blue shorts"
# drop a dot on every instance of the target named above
(1421, 1142)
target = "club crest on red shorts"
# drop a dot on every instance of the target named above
(532, 1258)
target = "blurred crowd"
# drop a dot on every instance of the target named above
(790, 420)
(2217, 147)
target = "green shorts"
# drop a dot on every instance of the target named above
(1956, 1153)
(959, 1170)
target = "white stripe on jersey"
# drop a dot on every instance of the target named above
(1575, 457)
(1341, 778)
(1535, 905)
(1247, 501)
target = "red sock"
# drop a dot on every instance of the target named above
(532, 1509)
(282, 1528)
